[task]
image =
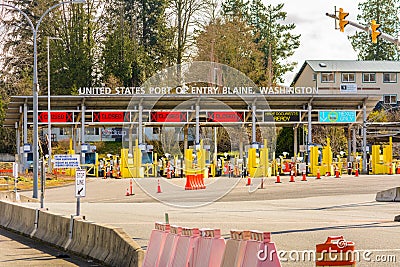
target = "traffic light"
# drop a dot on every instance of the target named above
(374, 31)
(342, 21)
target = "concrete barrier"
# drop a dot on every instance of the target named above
(80, 236)
(12, 197)
(22, 219)
(107, 244)
(100, 249)
(387, 195)
(5, 213)
(397, 199)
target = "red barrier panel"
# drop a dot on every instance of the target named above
(156, 244)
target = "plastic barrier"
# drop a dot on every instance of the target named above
(185, 246)
(156, 244)
(336, 251)
(250, 249)
(210, 249)
(260, 251)
(235, 248)
(171, 241)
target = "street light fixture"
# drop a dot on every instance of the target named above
(48, 98)
(36, 87)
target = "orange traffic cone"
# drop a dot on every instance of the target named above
(337, 174)
(278, 178)
(159, 187)
(304, 178)
(356, 173)
(127, 192)
(169, 170)
(318, 174)
(291, 177)
(131, 188)
(248, 180)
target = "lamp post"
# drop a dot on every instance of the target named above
(48, 98)
(36, 87)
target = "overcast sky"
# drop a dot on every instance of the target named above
(319, 39)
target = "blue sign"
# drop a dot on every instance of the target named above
(337, 116)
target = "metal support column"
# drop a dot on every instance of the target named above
(349, 130)
(18, 143)
(364, 136)
(83, 132)
(295, 145)
(83, 124)
(215, 145)
(130, 143)
(309, 124)
(185, 137)
(354, 150)
(140, 126)
(253, 123)
(197, 124)
(25, 135)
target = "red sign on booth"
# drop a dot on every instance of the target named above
(225, 116)
(165, 116)
(56, 117)
(111, 116)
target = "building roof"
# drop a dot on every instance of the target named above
(173, 102)
(350, 66)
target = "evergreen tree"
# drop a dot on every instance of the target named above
(137, 42)
(274, 38)
(385, 13)
(234, 9)
(231, 43)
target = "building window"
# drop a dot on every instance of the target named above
(390, 99)
(65, 131)
(92, 131)
(369, 78)
(327, 77)
(348, 77)
(390, 77)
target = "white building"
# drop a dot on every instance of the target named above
(352, 76)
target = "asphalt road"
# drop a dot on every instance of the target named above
(17, 250)
(299, 215)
